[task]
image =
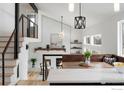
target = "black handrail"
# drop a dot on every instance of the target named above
(28, 19)
(23, 16)
(8, 42)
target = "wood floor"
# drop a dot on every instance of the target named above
(33, 75)
(32, 82)
(34, 78)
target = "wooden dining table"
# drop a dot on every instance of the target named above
(76, 65)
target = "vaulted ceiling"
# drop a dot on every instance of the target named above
(94, 12)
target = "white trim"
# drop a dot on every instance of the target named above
(119, 38)
(85, 40)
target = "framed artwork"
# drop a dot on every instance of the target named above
(87, 40)
(55, 41)
(97, 39)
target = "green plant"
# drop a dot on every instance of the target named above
(33, 60)
(87, 54)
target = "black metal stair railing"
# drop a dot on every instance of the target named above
(25, 32)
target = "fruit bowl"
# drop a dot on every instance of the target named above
(119, 67)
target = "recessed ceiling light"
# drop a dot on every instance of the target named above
(71, 7)
(116, 7)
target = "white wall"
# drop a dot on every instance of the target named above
(7, 17)
(46, 27)
(108, 30)
(24, 58)
(50, 26)
(76, 34)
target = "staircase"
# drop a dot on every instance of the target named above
(10, 62)
(8, 70)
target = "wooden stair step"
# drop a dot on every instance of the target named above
(4, 43)
(6, 83)
(9, 65)
(11, 41)
(9, 47)
(7, 58)
(6, 38)
(8, 35)
(8, 52)
(7, 74)
(12, 61)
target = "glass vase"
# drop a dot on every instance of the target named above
(87, 60)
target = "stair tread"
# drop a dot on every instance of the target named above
(7, 52)
(9, 65)
(6, 83)
(11, 41)
(9, 59)
(7, 74)
(9, 46)
(8, 35)
(6, 38)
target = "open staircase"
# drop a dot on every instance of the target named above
(13, 42)
(10, 62)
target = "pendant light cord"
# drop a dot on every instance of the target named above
(80, 9)
(61, 23)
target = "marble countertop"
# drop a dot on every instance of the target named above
(96, 75)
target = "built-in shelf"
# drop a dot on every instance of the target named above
(76, 42)
(49, 49)
(76, 54)
(76, 48)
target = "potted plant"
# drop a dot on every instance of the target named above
(87, 55)
(33, 60)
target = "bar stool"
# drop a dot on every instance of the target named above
(41, 69)
(59, 63)
(47, 67)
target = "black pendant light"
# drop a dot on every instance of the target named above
(80, 21)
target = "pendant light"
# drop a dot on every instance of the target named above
(61, 34)
(80, 21)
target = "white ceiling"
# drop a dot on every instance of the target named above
(94, 12)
